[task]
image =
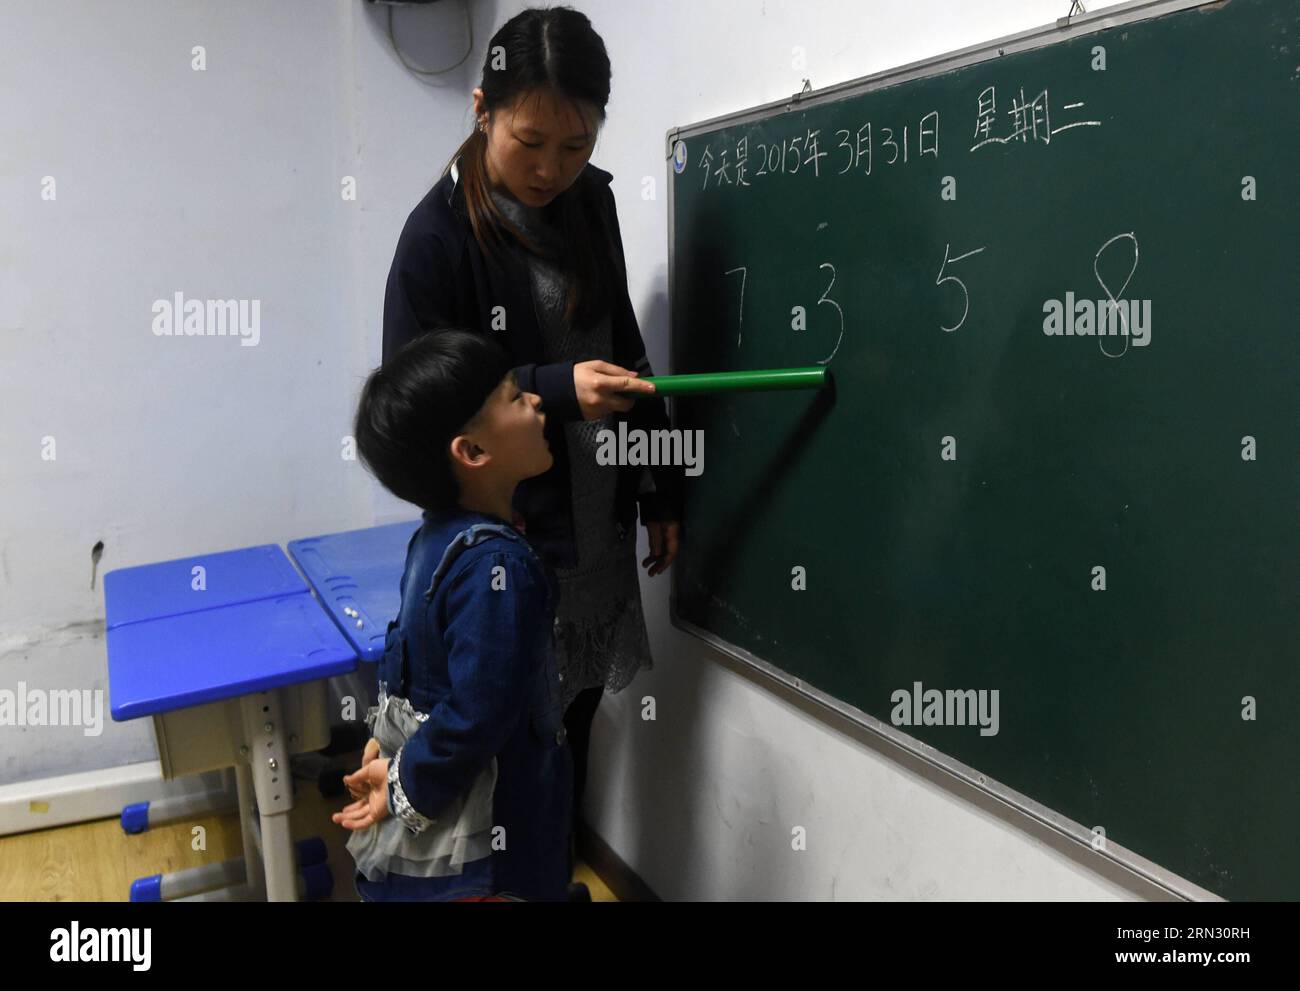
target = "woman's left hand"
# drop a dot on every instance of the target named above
(665, 536)
(371, 783)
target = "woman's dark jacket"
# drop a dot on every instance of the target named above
(440, 277)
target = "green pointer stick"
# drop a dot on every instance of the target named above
(767, 380)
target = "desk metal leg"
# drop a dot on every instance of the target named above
(314, 881)
(268, 766)
(139, 816)
(226, 881)
(252, 858)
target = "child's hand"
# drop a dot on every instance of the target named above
(361, 789)
(369, 784)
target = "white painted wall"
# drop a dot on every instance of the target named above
(226, 184)
(217, 184)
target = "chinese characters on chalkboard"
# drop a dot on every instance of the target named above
(1030, 121)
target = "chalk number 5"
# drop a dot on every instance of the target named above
(952, 278)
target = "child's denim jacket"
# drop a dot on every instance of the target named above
(472, 650)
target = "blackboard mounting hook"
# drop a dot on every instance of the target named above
(672, 142)
(807, 88)
(1076, 7)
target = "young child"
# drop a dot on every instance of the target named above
(465, 788)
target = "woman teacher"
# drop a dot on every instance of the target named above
(520, 239)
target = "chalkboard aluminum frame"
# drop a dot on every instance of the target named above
(1064, 29)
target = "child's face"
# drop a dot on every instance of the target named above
(509, 429)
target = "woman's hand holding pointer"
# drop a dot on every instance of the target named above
(598, 384)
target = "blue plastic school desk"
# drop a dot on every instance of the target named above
(228, 653)
(358, 576)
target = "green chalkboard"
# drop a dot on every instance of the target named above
(949, 506)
